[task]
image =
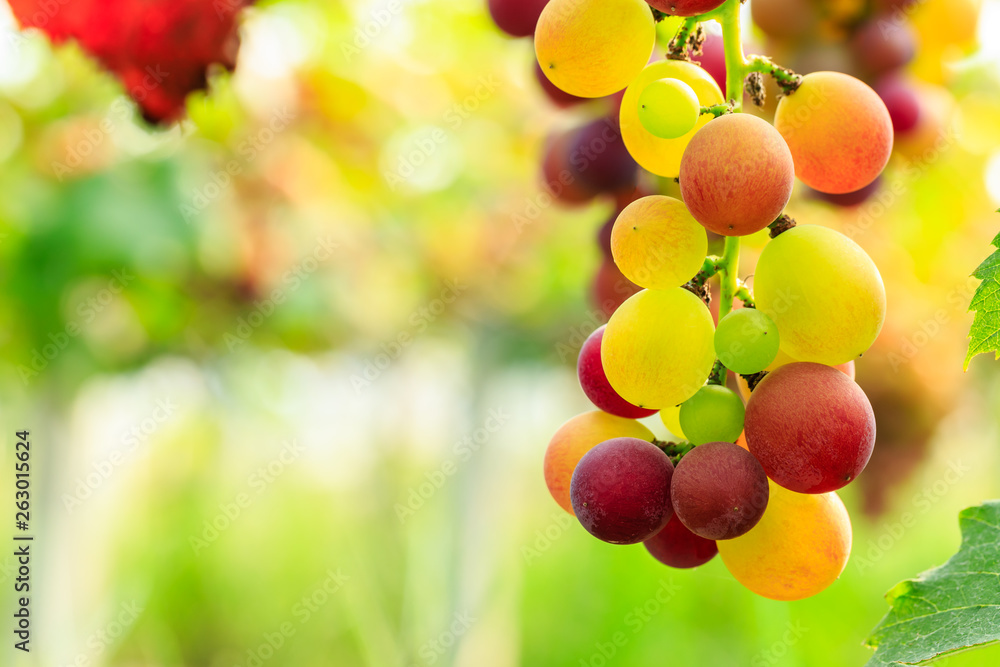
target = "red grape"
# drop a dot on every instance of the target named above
(559, 177)
(719, 491)
(611, 288)
(595, 383)
(684, 7)
(599, 156)
(621, 490)
(676, 546)
(881, 45)
(737, 175)
(810, 426)
(517, 18)
(902, 102)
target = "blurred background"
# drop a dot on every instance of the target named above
(290, 364)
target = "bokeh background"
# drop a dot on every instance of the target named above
(290, 365)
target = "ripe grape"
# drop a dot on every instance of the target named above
(560, 98)
(719, 491)
(799, 547)
(657, 348)
(838, 130)
(712, 58)
(621, 490)
(668, 108)
(714, 414)
(902, 102)
(685, 7)
(881, 50)
(657, 244)
(746, 341)
(823, 292)
(810, 426)
(595, 383)
(577, 437)
(676, 546)
(737, 175)
(663, 156)
(593, 48)
(559, 177)
(611, 289)
(783, 19)
(517, 18)
(598, 156)
(671, 418)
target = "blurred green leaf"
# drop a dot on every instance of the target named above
(985, 333)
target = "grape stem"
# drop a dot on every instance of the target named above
(675, 450)
(728, 15)
(678, 47)
(744, 295)
(717, 109)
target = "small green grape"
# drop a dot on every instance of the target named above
(714, 414)
(746, 341)
(668, 108)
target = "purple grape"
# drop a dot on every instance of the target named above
(621, 490)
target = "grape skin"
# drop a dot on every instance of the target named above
(657, 244)
(577, 437)
(823, 292)
(811, 427)
(676, 546)
(595, 383)
(657, 349)
(838, 131)
(737, 175)
(621, 490)
(799, 547)
(715, 413)
(719, 491)
(746, 341)
(663, 156)
(593, 48)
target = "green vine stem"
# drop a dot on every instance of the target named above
(717, 109)
(675, 450)
(744, 295)
(677, 49)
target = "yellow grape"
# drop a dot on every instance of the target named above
(658, 347)
(663, 156)
(657, 244)
(799, 547)
(823, 292)
(671, 418)
(577, 437)
(593, 48)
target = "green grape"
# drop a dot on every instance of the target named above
(746, 341)
(668, 108)
(663, 156)
(823, 292)
(657, 349)
(714, 414)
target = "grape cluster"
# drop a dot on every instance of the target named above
(755, 482)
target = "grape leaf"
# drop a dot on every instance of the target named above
(985, 333)
(160, 49)
(950, 608)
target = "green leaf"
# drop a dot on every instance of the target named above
(985, 333)
(950, 608)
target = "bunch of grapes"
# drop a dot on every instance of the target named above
(755, 482)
